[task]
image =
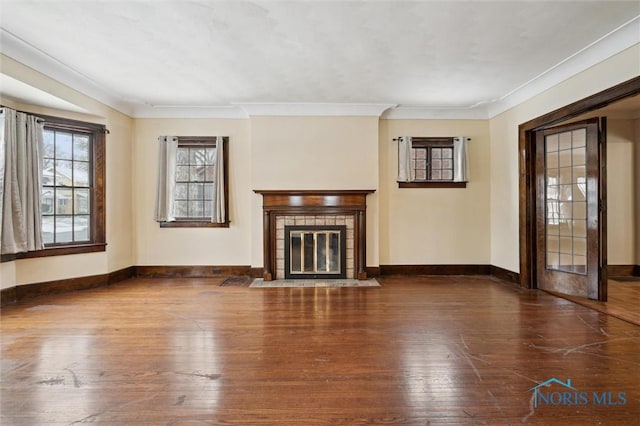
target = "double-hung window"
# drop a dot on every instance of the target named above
(73, 173)
(434, 162)
(194, 189)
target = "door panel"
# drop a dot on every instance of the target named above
(567, 200)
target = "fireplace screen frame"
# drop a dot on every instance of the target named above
(341, 229)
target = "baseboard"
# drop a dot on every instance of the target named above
(623, 270)
(435, 269)
(191, 271)
(505, 274)
(30, 291)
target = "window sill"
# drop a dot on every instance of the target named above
(193, 224)
(55, 251)
(432, 184)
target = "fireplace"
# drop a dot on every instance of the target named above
(315, 252)
(316, 217)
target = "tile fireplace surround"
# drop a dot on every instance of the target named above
(313, 207)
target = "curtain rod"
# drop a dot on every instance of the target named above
(432, 137)
(41, 119)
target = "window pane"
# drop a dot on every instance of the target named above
(48, 223)
(182, 173)
(182, 191)
(181, 209)
(447, 152)
(64, 144)
(64, 229)
(198, 156)
(196, 209)
(210, 173)
(196, 173)
(48, 144)
(64, 202)
(183, 156)
(80, 173)
(208, 191)
(47, 201)
(196, 191)
(64, 173)
(81, 228)
(208, 208)
(81, 147)
(81, 201)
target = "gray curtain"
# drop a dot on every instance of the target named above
(21, 155)
(218, 214)
(166, 183)
(406, 173)
(460, 159)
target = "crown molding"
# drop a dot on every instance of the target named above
(29, 55)
(314, 109)
(425, 113)
(625, 36)
(171, 111)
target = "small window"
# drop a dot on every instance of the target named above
(431, 164)
(195, 178)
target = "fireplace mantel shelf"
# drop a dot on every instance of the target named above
(312, 202)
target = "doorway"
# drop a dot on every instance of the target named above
(531, 253)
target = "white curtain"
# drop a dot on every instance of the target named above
(218, 214)
(460, 159)
(166, 185)
(21, 153)
(406, 173)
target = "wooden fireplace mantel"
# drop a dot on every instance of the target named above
(314, 202)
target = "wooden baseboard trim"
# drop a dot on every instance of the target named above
(191, 271)
(623, 270)
(256, 272)
(435, 269)
(373, 271)
(505, 274)
(30, 291)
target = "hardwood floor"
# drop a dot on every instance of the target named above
(420, 350)
(623, 300)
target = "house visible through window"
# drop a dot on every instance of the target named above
(66, 186)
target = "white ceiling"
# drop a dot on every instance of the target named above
(207, 58)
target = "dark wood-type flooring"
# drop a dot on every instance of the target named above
(419, 350)
(623, 300)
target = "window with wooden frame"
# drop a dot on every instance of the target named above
(72, 192)
(194, 183)
(431, 164)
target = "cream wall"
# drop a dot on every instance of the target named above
(504, 146)
(621, 192)
(119, 228)
(192, 246)
(315, 153)
(435, 225)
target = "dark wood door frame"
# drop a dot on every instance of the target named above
(527, 176)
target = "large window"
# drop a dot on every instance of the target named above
(72, 193)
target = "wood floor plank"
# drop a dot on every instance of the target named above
(419, 350)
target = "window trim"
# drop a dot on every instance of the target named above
(98, 190)
(428, 142)
(195, 141)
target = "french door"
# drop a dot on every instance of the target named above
(570, 217)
